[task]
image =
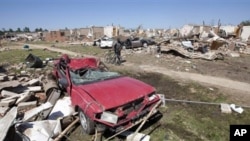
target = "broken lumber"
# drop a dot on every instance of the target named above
(6, 122)
(24, 97)
(34, 88)
(141, 122)
(3, 110)
(3, 77)
(33, 112)
(66, 129)
(8, 84)
(7, 103)
(32, 82)
(144, 120)
(52, 99)
(6, 93)
(25, 105)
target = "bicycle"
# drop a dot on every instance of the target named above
(110, 57)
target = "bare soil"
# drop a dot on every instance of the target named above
(230, 76)
(219, 81)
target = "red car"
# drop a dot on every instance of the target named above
(104, 100)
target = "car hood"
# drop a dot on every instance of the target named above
(116, 92)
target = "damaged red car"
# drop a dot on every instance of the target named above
(104, 99)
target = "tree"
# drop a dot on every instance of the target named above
(18, 30)
(38, 29)
(26, 29)
(245, 23)
(11, 30)
(1, 32)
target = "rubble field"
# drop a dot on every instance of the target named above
(26, 95)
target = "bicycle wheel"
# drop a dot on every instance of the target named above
(107, 58)
(113, 59)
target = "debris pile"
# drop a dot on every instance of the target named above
(203, 42)
(31, 105)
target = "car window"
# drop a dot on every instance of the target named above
(82, 76)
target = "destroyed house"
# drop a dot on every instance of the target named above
(55, 36)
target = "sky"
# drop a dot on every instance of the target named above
(61, 14)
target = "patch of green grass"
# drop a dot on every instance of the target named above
(18, 56)
(89, 50)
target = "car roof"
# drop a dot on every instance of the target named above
(78, 63)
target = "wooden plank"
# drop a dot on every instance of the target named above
(3, 77)
(16, 96)
(3, 110)
(7, 103)
(6, 122)
(52, 99)
(34, 88)
(25, 105)
(6, 93)
(8, 84)
(24, 97)
(58, 138)
(32, 82)
(33, 112)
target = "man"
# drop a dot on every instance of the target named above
(117, 50)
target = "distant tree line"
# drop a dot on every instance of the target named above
(19, 30)
(245, 23)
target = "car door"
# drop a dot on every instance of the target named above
(62, 80)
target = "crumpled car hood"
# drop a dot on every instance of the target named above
(115, 92)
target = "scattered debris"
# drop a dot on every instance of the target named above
(33, 61)
(9, 84)
(7, 121)
(61, 109)
(138, 137)
(44, 130)
(236, 108)
(225, 108)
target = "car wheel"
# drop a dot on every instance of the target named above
(145, 44)
(87, 124)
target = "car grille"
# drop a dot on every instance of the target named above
(133, 106)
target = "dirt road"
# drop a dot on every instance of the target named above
(217, 81)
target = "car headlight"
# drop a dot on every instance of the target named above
(152, 97)
(109, 117)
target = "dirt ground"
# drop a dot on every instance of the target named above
(190, 79)
(230, 75)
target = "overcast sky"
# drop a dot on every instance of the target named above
(58, 14)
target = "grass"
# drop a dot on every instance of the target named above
(180, 121)
(90, 50)
(15, 56)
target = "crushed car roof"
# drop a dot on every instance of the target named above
(79, 63)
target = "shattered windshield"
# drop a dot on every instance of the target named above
(89, 75)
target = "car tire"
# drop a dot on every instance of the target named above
(87, 124)
(145, 44)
